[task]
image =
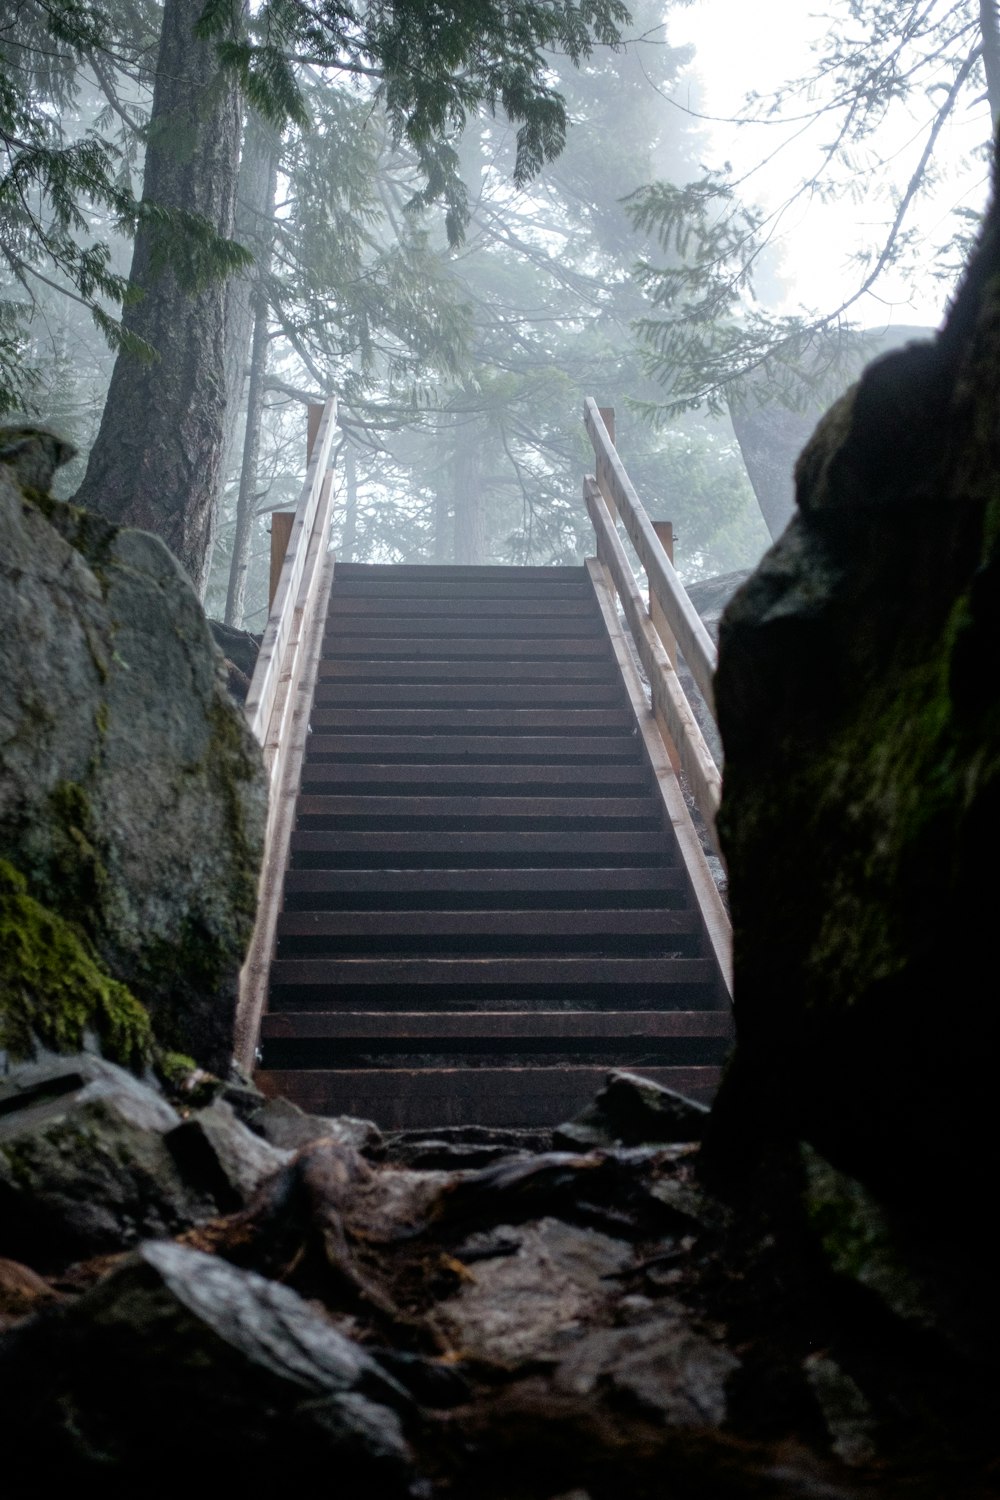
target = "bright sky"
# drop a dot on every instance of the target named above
(735, 52)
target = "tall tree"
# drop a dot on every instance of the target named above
(156, 462)
(433, 67)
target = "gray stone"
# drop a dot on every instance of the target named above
(84, 1165)
(180, 1358)
(213, 1148)
(633, 1111)
(286, 1126)
(132, 796)
(664, 1364)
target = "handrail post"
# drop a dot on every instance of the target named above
(607, 415)
(665, 533)
(282, 521)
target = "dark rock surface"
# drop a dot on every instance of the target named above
(860, 712)
(132, 796)
(632, 1111)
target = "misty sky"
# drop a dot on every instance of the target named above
(734, 53)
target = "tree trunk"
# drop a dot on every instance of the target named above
(157, 460)
(255, 191)
(246, 502)
(989, 23)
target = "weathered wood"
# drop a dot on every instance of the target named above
(484, 746)
(326, 973)
(470, 808)
(504, 606)
(543, 922)
(561, 720)
(499, 885)
(449, 1026)
(407, 1098)
(379, 846)
(585, 779)
(471, 694)
(448, 573)
(512, 626)
(669, 699)
(498, 670)
(446, 647)
(282, 522)
(682, 617)
(703, 890)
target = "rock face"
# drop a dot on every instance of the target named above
(859, 706)
(131, 793)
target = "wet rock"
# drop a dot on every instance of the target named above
(22, 1291)
(132, 796)
(92, 1159)
(458, 1146)
(286, 1126)
(662, 1364)
(633, 1111)
(522, 1306)
(181, 1360)
(218, 1154)
(848, 1415)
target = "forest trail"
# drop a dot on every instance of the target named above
(484, 888)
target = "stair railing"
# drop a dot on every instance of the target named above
(279, 700)
(610, 497)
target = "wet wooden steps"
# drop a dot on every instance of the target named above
(484, 908)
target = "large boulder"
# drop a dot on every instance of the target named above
(132, 796)
(859, 706)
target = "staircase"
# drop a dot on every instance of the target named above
(484, 907)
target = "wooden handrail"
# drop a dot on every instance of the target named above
(278, 706)
(670, 703)
(620, 497)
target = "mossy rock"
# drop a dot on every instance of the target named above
(54, 992)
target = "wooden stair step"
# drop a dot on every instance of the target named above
(510, 720)
(595, 669)
(589, 972)
(457, 647)
(317, 809)
(491, 1025)
(625, 778)
(387, 605)
(484, 747)
(544, 922)
(476, 695)
(451, 573)
(382, 847)
(488, 887)
(401, 1098)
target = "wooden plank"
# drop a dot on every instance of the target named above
(459, 589)
(468, 572)
(381, 846)
(496, 670)
(400, 1098)
(371, 607)
(511, 720)
(444, 625)
(684, 620)
(327, 973)
(469, 807)
(281, 814)
(669, 700)
(282, 522)
(497, 883)
(446, 648)
(508, 1025)
(544, 922)
(473, 694)
(271, 663)
(588, 780)
(484, 746)
(702, 887)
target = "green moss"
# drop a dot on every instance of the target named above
(857, 1238)
(75, 879)
(52, 988)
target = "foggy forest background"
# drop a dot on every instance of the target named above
(632, 268)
